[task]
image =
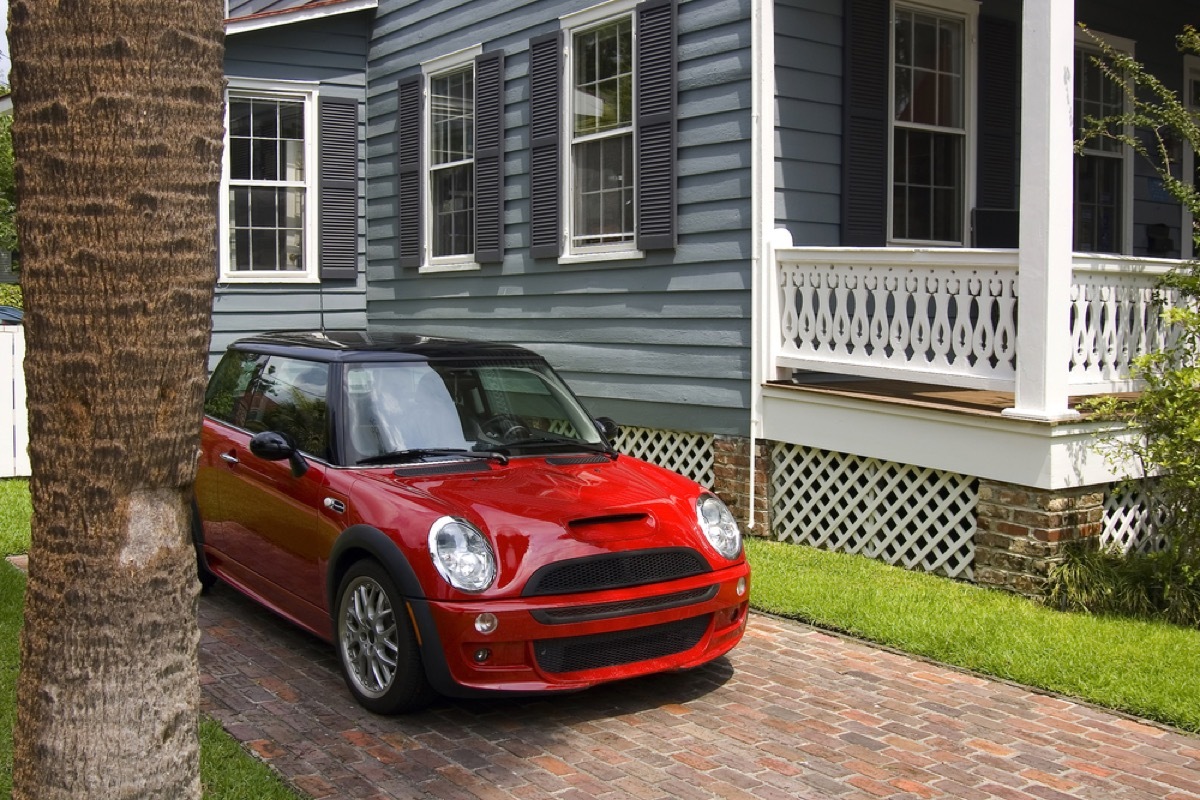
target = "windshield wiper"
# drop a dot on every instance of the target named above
(405, 456)
(564, 441)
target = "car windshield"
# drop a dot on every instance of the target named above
(399, 408)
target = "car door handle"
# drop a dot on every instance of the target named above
(229, 458)
(335, 505)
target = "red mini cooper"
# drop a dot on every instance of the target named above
(449, 516)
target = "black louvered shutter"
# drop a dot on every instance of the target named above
(655, 75)
(545, 103)
(337, 150)
(489, 158)
(865, 110)
(408, 178)
(999, 87)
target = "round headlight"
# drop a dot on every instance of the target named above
(719, 526)
(462, 554)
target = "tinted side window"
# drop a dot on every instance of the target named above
(226, 396)
(289, 396)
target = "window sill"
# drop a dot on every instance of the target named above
(231, 279)
(611, 255)
(451, 266)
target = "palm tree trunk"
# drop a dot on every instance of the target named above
(117, 136)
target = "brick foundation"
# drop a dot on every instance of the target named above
(731, 481)
(1021, 531)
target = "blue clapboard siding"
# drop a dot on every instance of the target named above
(330, 51)
(662, 341)
(808, 114)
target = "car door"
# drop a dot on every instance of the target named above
(266, 525)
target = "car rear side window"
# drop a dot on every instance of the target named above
(289, 396)
(226, 396)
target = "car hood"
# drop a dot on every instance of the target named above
(539, 510)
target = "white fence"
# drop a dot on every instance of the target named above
(949, 316)
(14, 421)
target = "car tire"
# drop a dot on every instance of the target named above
(376, 645)
(207, 577)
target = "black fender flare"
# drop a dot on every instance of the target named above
(378, 545)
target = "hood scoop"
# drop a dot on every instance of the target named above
(607, 519)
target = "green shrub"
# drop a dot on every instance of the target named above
(1153, 585)
(10, 295)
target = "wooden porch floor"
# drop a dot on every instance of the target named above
(943, 398)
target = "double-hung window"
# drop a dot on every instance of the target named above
(601, 114)
(450, 152)
(1103, 219)
(602, 129)
(269, 207)
(931, 122)
(289, 184)
(450, 106)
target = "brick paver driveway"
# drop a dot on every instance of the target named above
(792, 713)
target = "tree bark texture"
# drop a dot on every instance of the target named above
(118, 121)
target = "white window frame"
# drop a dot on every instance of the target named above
(289, 90)
(572, 24)
(432, 69)
(968, 12)
(1086, 43)
(1191, 72)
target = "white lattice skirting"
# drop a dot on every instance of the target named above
(918, 518)
(689, 454)
(1129, 522)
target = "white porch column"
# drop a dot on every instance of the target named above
(1044, 284)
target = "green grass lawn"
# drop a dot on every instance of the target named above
(14, 516)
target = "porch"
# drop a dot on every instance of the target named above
(890, 405)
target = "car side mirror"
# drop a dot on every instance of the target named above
(276, 446)
(609, 428)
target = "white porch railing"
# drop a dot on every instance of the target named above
(14, 421)
(948, 316)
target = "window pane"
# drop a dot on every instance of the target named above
(265, 156)
(1098, 194)
(604, 191)
(239, 199)
(453, 210)
(263, 208)
(603, 77)
(293, 160)
(267, 228)
(927, 185)
(239, 118)
(265, 119)
(239, 158)
(452, 116)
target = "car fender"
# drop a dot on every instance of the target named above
(379, 546)
(376, 544)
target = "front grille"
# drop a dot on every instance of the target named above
(615, 571)
(603, 650)
(563, 616)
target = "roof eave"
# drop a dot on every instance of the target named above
(272, 19)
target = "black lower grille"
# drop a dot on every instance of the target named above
(616, 571)
(563, 616)
(578, 653)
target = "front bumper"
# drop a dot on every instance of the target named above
(571, 642)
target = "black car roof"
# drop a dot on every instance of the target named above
(379, 346)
